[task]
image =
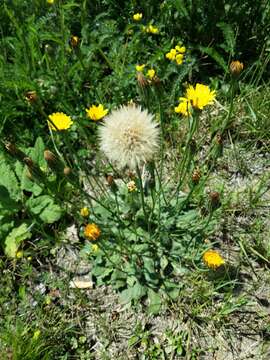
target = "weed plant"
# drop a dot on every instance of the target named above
(117, 117)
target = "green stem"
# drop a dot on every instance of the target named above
(141, 191)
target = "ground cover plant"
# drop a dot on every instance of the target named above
(134, 182)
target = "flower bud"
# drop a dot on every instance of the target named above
(214, 198)
(219, 139)
(196, 175)
(29, 162)
(13, 150)
(74, 41)
(49, 156)
(110, 179)
(236, 67)
(142, 81)
(67, 171)
(111, 183)
(31, 96)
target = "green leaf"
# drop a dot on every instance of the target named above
(6, 225)
(8, 179)
(229, 36)
(14, 239)
(149, 271)
(215, 55)
(6, 202)
(44, 207)
(51, 214)
(132, 293)
(154, 302)
(37, 153)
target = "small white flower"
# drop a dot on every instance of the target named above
(129, 136)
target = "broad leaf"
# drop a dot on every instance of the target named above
(14, 239)
(44, 207)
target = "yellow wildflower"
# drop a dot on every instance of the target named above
(59, 121)
(74, 41)
(140, 68)
(184, 107)
(36, 334)
(200, 96)
(95, 248)
(137, 17)
(213, 259)
(179, 59)
(151, 73)
(92, 232)
(131, 185)
(84, 212)
(176, 54)
(19, 254)
(96, 112)
(181, 49)
(170, 56)
(151, 29)
(50, 1)
(236, 67)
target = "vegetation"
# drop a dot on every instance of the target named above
(134, 179)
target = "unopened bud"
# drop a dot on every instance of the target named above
(74, 41)
(142, 81)
(219, 139)
(196, 175)
(67, 171)
(11, 148)
(49, 156)
(29, 162)
(236, 67)
(110, 179)
(156, 81)
(214, 198)
(31, 96)
(111, 183)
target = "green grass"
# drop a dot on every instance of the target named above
(148, 294)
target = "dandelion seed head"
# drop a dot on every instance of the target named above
(129, 136)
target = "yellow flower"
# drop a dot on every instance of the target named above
(170, 55)
(140, 68)
(50, 1)
(179, 59)
(213, 259)
(200, 96)
(74, 41)
(96, 112)
(131, 185)
(184, 107)
(236, 67)
(95, 247)
(84, 212)
(181, 49)
(92, 232)
(152, 29)
(151, 73)
(59, 121)
(36, 334)
(137, 17)
(176, 54)
(19, 254)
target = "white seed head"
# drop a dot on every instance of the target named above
(129, 136)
